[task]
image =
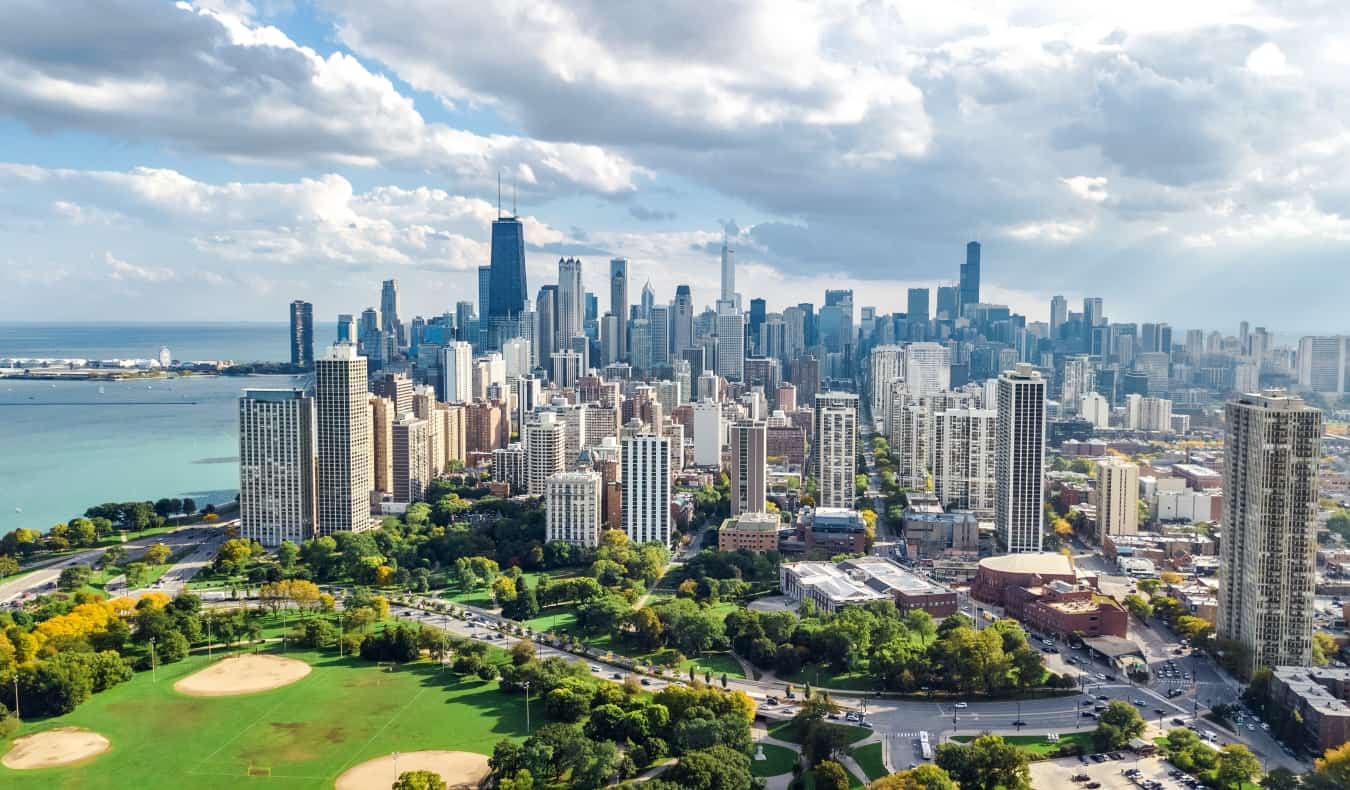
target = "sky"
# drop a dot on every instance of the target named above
(214, 160)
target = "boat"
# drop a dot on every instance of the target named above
(18, 510)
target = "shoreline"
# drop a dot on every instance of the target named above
(107, 374)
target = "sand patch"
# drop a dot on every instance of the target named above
(62, 746)
(245, 674)
(458, 769)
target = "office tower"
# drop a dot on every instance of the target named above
(1147, 414)
(277, 459)
(1020, 464)
(1195, 344)
(545, 443)
(1157, 367)
(749, 459)
(1092, 312)
(916, 314)
(618, 301)
(645, 470)
(465, 320)
(507, 289)
(571, 293)
(546, 316)
(948, 302)
(772, 340)
(1117, 497)
(756, 320)
(964, 444)
(730, 341)
(1059, 314)
(484, 289)
(682, 320)
(786, 400)
(836, 448)
(398, 388)
(347, 331)
(566, 367)
(456, 364)
(728, 272)
(302, 334)
(1076, 380)
(1096, 409)
(709, 432)
(344, 442)
(572, 508)
(382, 418)
(592, 311)
(794, 332)
(1324, 364)
(884, 364)
(516, 357)
(1243, 331)
(1267, 559)
(411, 453)
(970, 277)
(389, 320)
(928, 369)
(660, 336)
(611, 339)
(806, 375)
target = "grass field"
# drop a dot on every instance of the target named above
(717, 663)
(825, 677)
(788, 731)
(345, 712)
(778, 761)
(869, 759)
(1037, 746)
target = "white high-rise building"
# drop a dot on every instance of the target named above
(1324, 364)
(456, 362)
(928, 368)
(411, 455)
(566, 368)
(1019, 468)
(659, 326)
(1094, 408)
(709, 433)
(571, 309)
(964, 443)
(345, 477)
(1079, 379)
(730, 341)
(1267, 559)
(1117, 497)
(912, 445)
(516, 357)
(572, 508)
(277, 455)
(545, 450)
(836, 448)
(645, 469)
(749, 473)
(884, 364)
(1147, 413)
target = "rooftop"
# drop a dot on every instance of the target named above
(756, 522)
(1044, 563)
(891, 576)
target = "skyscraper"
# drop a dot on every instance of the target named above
(546, 319)
(948, 302)
(1267, 558)
(916, 314)
(618, 300)
(572, 508)
(344, 441)
(390, 325)
(302, 334)
(484, 289)
(749, 458)
(964, 442)
(1324, 364)
(970, 276)
(571, 307)
(1117, 497)
(1059, 314)
(507, 286)
(836, 448)
(728, 272)
(730, 341)
(660, 336)
(682, 320)
(410, 453)
(456, 363)
(646, 474)
(277, 457)
(1019, 467)
(545, 442)
(928, 369)
(1092, 311)
(757, 312)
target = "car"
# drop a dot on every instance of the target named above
(1265, 726)
(834, 716)
(770, 700)
(1019, 723)
(865, 724)
(1178, 722)
(790, 694)
(1251, 727)
(1089, 714)
(850, 717)
(594, 668)
(646, 681)
(1115, 755)
(1139, 702)
(1093, 785)
(1103, 698)
(1098, 758)
(616, 676)
(1080, 777)
(960, 705)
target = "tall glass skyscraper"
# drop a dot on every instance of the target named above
(970, 276)
(507, 286)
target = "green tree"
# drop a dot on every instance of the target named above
(1236, 767)
(1118, 724)
(987, 763)
(830, 775)
(1281, 779)
(287, 554)
(923, 777)
(1138, 606)
(8, 566)
(73, 578)
(419, 780)
(157, 554)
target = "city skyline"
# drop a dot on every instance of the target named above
(162, 212)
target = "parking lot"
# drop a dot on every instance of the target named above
(1108, 775)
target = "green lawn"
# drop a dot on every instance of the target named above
(787, 731)
(1037, 746)
(778, 761)
(346, 711)
(869, 759)
(555, 618)
(824, 677)
(717, 663)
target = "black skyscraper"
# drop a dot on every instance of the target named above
(302, 334)
(506, 283)
(970, 276)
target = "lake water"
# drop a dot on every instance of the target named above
(67, 445)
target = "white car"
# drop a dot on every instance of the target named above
(960, 706)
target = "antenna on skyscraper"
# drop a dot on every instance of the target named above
(513, 198)
(499, 194)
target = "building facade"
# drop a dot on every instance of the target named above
(646, 477)
(836, 448)
(277, 458)
(749, 453)
(341, 399)
(572, 506)
(1019, 466)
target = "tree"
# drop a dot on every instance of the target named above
(287, 554)
(189, 505)
(419, 780)
(923, 777)
(1138, 607)
(157, 554)
(987, 763)
(73, 578)
(1119, 723)
(1237, 766)
(1149, 586)
(8, 566)
(1281, 779)
(1334, 766)
(1170, 578)
(830, 775)
(1324, 648)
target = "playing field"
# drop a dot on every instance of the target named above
(301, 735)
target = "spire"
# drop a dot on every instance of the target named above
(499, 194)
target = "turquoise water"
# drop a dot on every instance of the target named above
(69, 446)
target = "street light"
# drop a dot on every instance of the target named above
(526, 684)
(17, 714)
(153, 676)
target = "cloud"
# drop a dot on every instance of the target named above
(213, 82)
(121, 270)
(1091, 189)
(1268, 60)
(644, 214)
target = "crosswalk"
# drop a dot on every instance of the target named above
(899, 735)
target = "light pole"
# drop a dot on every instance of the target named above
(526, 684)
(396, 767)
(17, 714)
(153, 676)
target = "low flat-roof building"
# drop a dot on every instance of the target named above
(1064, 609)
(751, 531)
(997, 575)
(1319, 695)
(832, 530)
(930, 532)
(834, 586)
